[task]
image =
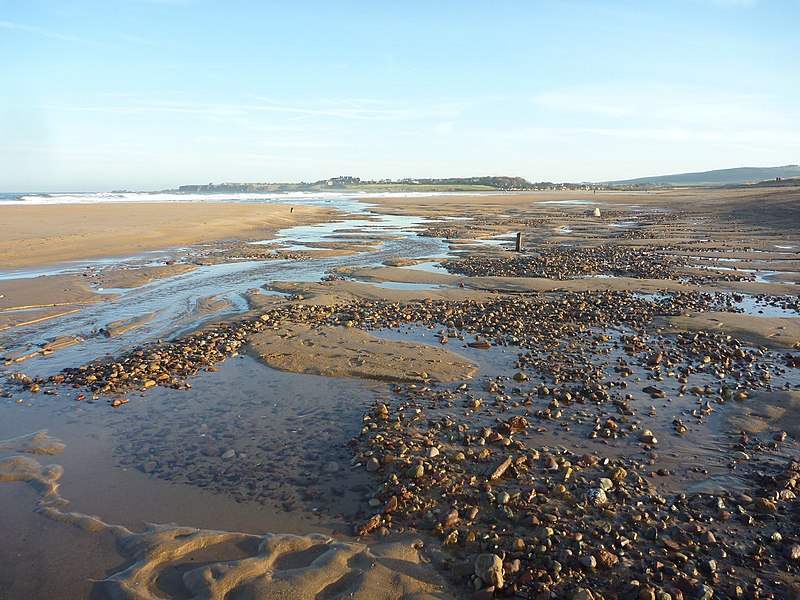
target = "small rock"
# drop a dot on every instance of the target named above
(647, 594)
(451, 519)
(792, 552)
(605, 558)
(764, 505)
(391, 505)
(228, 454)
(331, 467)
(597, 497)
(489, 567)
(708, 538)
(647, 437)
(498, 471)
(704, 592)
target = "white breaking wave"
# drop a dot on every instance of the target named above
(113, 197)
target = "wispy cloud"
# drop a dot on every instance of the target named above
(365, 110)
(662, 105)
(48, 33)
(348, 109)
(763, 140)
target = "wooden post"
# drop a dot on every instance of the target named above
(519, 242)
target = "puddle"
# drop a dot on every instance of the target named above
(755, 307)
(428, 267)
(400, 285)
(572, 202)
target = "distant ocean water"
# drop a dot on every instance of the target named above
(112, 197)
(29, 198)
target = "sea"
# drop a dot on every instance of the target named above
(312, 198)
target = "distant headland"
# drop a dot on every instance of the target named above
(788, 175)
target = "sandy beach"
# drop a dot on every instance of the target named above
(399, 404)
(48, 234)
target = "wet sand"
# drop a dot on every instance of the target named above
(631, 418)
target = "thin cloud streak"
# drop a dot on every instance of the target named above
(358, 113)
(48, 33)
(669, 106)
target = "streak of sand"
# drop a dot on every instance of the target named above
(46, 291)
(45, 234)
(343, 352)
(508, 284)
(336, 292)
(22, 318)
(133, 277)
(772, 332)
(768, 411)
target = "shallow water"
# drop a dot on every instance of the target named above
(173, 300)
(160, 460)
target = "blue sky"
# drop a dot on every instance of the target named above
(151, 94)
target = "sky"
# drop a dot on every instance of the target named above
(153, 94)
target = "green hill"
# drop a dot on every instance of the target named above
(718, 177)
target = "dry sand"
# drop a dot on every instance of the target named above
(768, 411)
(772, 332)
(33, 235)
(46, 292)
(340, 352)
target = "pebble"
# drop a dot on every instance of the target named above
(792, 552)
(331, 467)
(489, 568)
(704, 592)
(605, 559)
(597, 497)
